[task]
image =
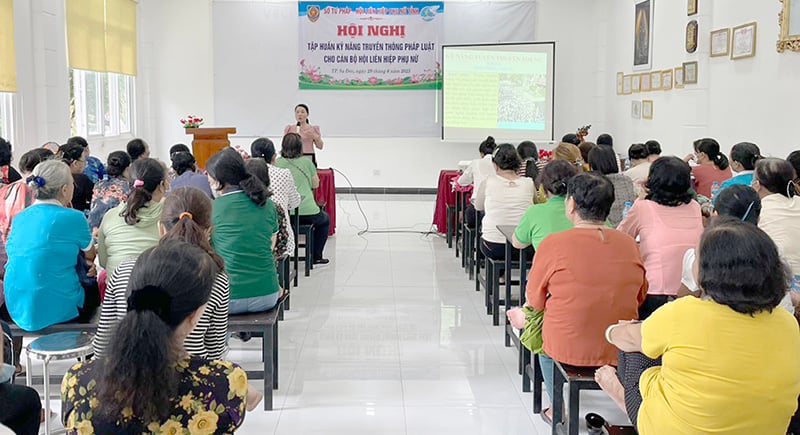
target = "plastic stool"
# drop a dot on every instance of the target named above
(55, 347)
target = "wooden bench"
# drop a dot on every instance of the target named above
(577, 379)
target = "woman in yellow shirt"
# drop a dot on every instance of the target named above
(731, 359)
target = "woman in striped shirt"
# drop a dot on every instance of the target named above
(186, 217)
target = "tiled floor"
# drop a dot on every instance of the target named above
(391, 338)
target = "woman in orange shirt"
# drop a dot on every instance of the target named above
(584, 290)
(711, 166)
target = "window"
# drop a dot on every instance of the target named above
(7, 116)
(101, 104)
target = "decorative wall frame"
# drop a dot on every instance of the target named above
(643, 35)
(720, 42)
(636, 109)
(666, 79)
(743, 41)
(645, 82)
(691, 7)
(620, 81)
(691, 36)
(678, 77)
(626, 84)
(636, 82)
(690, 73)
(647, 109)
(789, 20)
(655, 80)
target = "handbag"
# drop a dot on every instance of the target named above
(531, 337)
(321, 203)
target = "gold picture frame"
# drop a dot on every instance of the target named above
(690, 73)
(620, 82)
(644, 82)
(666, 80)
(789, 19)
(655, 80)
(720, 43)
(647, 109)
(636, 82)
(691, 7)
(677, 75)
(626, 84)
(743, 41)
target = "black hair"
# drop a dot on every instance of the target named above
(605, 139)
(78, 140)
(739, 201)
(653, 148)
(5, 152)
(182, 162)
(776, 175)
(740, 267)
(638, 151)
(710, 147)
(585, 148)
(308, 112)
(527, 150)
(29, 160)
(263, 148)
(151, 174)
(70, 152)
(169, 282)
(506, 157)
(292, 146)
(487, 146)
(747, 154)
(259, 169)
(593, 195)
(187, 217)
(555, 176)
(136, 147)
(604, 160)
(118, 161)
(670, 182)
(179, 147)
(794, 160)
(571, 138)
(227, 168)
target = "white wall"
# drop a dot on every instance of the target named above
(743, 100)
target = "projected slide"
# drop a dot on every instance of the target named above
(502, 90)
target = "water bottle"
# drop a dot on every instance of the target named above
(714, 190)
(627, 208)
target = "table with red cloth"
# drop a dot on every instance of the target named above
(326, 192)
(445, 197)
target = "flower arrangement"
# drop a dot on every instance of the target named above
(545, 155)
(192, 121)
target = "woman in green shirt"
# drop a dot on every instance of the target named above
(305, 177)
(244, 224)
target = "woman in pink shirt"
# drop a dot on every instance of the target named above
(309, 133)
(668, 222)
(711, 166)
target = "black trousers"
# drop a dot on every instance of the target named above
(322, 223)
(652, 303)
(20, 409)
(629, 369)
(313, 157)
(495, 251)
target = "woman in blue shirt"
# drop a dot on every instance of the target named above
(744, 156)
(42, 283)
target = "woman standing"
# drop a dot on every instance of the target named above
(109, 193)
(712, 166)
(308, 133)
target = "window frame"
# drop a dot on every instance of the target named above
(9, 121)
(105, 82)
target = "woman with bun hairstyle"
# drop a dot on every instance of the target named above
(110, 192)
(74, 155)
(711, 165)
(131, 227)
(185, 168)
(244, 223)
(308, 133)
(744, 156)
(476, 173)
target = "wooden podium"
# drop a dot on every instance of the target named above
(208, 141)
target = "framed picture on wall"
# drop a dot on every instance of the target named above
(636, 109)
(690, 73)
(647, 109)
(645, 82)
(678, 76)
(691, 7)
(720, 42)
(620, 82)
(666, 79)
(643, 35)
(655, 80)
(636, 82)
(626, 85)
(743, 41)
(691, 36)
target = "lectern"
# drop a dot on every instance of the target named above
(208, 141)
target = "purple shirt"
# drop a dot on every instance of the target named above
(192, 179)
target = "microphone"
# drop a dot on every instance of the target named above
(298, 127)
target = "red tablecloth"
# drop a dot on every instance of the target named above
(327, 192)
(444, 197)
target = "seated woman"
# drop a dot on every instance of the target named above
(570, 153)
(780, 212)
(639, 158)
(259, 169)
(17, 196)
(475, 174)
(42, 286)
(185, 168)
(22, 408)
(744, 156)
(131, 227)
(564, 281)
(186, 217)
(147, 382)
(504, 197)
(706, 343)
(541, 220)
(244, 223)
(281, 184)
(712, 166)
(529, 155)
(8, 174)
(604, 161)
(305, 178)
(110, 192)
(668, 222)
(74, 155)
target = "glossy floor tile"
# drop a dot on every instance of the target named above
(391, 338)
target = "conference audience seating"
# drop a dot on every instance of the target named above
(308, 244)
(577, 379)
